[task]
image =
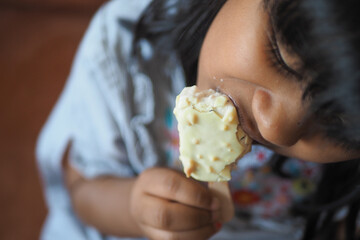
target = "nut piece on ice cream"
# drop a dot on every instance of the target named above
(211, 139)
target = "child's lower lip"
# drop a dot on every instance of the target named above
(245, 122)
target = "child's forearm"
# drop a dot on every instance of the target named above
(103, 203)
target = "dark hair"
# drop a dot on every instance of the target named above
(177, 26)
(326, 37)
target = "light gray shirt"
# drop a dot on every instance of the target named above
(107, 111)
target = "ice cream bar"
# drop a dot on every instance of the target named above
(211, 140)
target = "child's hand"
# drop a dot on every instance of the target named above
(167, 205)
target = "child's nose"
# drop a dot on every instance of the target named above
(278, 117)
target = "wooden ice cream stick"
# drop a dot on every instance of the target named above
(222, 192)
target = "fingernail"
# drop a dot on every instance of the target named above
(218, 226)
(215, 204)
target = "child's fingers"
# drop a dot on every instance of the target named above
(167, 215)
(172, 185)
(198, 234)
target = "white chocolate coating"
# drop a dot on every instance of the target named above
(211, 140)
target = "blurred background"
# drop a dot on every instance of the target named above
(38, 40)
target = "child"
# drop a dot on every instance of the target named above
(109, 149)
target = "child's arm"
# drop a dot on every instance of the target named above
(99, 202)
(159, 204)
